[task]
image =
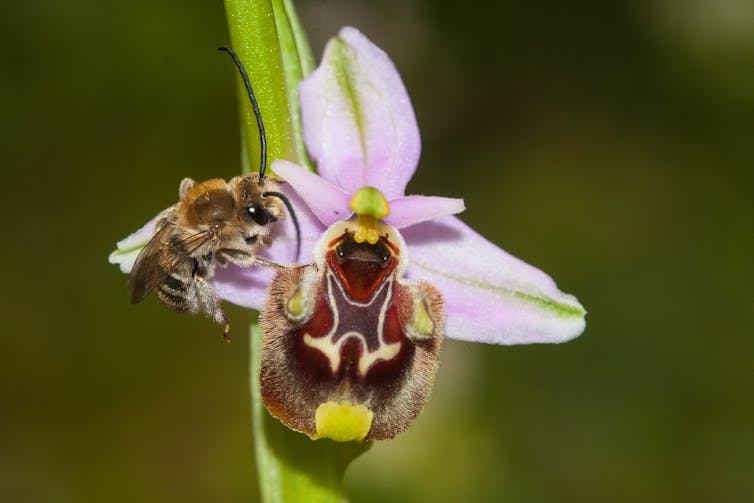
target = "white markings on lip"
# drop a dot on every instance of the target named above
(371, 326)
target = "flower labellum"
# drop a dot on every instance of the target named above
(350, 346)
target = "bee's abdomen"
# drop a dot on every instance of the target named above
(176, 293)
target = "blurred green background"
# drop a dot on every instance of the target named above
(609, 143)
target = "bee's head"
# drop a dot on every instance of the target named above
(253, 203)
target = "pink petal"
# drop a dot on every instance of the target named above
(411, 210)
(328, 202)
(247, 286)
(490, 295)
(358, 121)
(244, 286)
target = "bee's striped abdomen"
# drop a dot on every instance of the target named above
(176, 293)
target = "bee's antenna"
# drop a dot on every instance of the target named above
(257, 113)
(293, 217)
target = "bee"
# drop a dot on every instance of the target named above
(214, 223)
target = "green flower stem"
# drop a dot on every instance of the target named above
(268, 39)
(297, 64)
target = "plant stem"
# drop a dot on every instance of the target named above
(268, 39)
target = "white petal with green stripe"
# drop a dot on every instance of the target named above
(128, 248)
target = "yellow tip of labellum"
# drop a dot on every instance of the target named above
(370, 205)
(342, 422)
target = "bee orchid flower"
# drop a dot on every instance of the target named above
(351, 341)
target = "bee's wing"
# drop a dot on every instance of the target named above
(149, 270)
(160, 257)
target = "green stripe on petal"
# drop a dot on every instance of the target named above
(557, 308)
(490, 295)
(358, 122)
(343, 65)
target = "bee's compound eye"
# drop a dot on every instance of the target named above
(260, 214)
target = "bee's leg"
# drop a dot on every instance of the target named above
(244, 259)
(209, 303)
(269, 263)
(211, 306)
(238, 257)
